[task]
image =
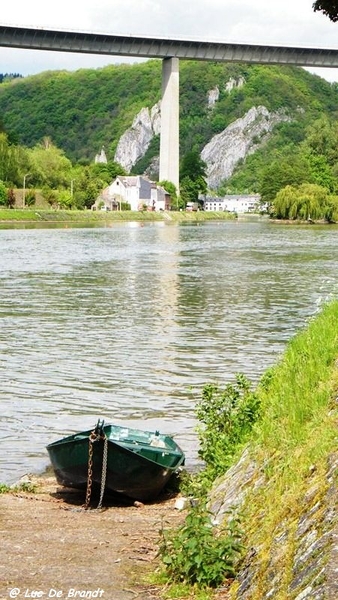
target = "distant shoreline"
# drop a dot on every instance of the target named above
(35, 216)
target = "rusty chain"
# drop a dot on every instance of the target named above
(94, 437)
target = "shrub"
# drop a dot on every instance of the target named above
(196, 553)
(227, 416)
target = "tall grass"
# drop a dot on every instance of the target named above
(291, 443)
(296, 392)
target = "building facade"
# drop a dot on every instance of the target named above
(137, 191)
(233, 203)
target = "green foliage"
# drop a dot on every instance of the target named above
(192, 177)
(106, 172)
(88, 186)
(65, 200)
(169, 187)
(80, 111)
(321, 172)
(50, 196)
(21, 487)
(4, 489)
(3, 194)
(227, 416)
(143, 163)
(10, 160)
(307, 201)
(297, 392)
(48, 165)
(293, 170)
(322, 139)
(30, 198)
(198, 553)
(191, 188)
(192, 166)
(5, 77)
(293, 447)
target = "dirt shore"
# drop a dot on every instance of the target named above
(52, 548)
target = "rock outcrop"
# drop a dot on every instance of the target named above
(213, 97)
(243, 137)
(233, 83)
(134, 143)
(224, 151)
(301, 561)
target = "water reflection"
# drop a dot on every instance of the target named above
(128, 322)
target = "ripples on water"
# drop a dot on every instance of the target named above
(127, 323)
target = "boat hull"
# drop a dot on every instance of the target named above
(135, 468)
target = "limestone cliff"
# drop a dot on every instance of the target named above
(224, 151)
(243, 137)
(135, 141)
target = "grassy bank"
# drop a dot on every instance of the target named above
(287, 428)
(293, 440)
(100, 218)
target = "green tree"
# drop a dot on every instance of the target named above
(65, 199)
(192, 166)
(191, 189)
(171, 189)
(321, 172)
(282, 173)
(88, 188)
(49, 166)
(3, 194)
(106, 172)
(307, 201)
(332, 209)
(322, 139)
(9, 164)
(192, 177)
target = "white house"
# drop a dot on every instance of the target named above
(137, 191)
(233, 203)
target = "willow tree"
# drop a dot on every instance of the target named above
(305, 202)
(10, 160)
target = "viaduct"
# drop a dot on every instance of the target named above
(170, 51)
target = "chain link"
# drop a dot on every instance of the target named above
(104, 470)
(95, 437)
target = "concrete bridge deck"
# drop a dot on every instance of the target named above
(152, 47)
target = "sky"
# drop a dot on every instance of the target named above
(276, 22)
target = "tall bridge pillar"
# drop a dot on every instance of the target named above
(169, 138)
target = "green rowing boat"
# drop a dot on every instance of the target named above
(112, 458)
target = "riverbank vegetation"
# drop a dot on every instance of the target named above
(288, 425)
(307, 202)
(88, 218)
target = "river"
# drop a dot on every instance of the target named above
(128, 322)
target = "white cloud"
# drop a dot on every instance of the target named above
(281, 22)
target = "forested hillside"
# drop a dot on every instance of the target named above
(74, 114)
(83, 110)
